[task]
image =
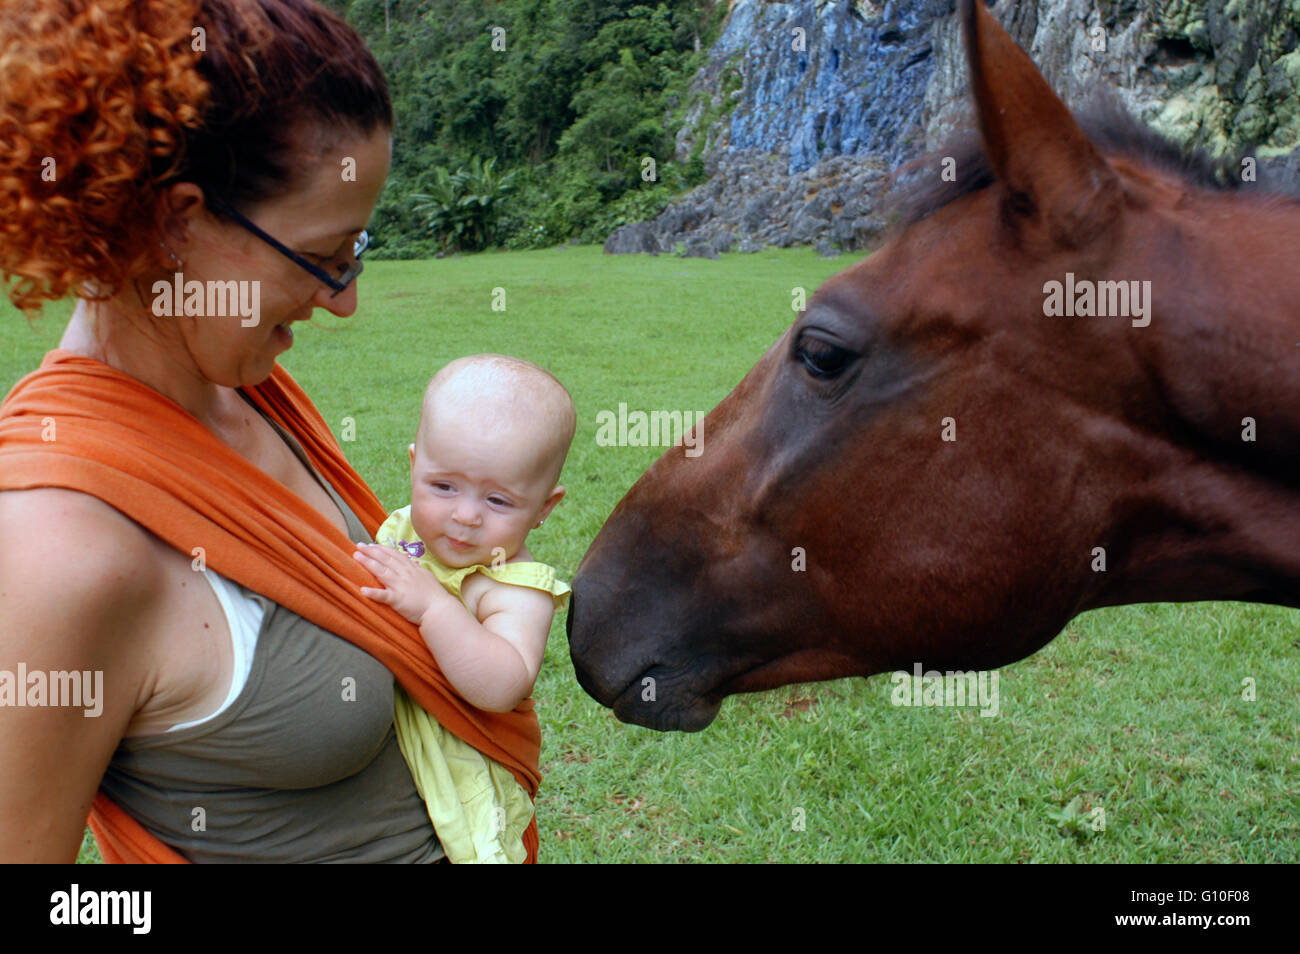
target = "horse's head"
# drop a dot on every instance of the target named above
(1028, 403)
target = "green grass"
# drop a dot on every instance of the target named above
(1134, 710)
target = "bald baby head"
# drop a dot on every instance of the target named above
(514, 399)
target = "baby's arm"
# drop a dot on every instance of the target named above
(492, 661)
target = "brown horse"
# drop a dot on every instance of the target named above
(959, 445)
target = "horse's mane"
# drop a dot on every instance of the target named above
(1112, 129)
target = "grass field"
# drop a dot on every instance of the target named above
(1136, 711)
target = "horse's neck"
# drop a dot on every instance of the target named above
(1216, 514)
(1228, 349)
(1202, 530)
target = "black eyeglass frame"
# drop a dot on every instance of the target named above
(338, 284)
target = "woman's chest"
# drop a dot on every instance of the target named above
(254, 439)
(189, 628)
(312, 707)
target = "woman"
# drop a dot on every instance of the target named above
(240, 145)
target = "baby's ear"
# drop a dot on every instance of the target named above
(556, 496)
(410, 449)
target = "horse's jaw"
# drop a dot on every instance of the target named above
(691, 715)
(678, 683)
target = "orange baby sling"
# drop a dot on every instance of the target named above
(139, 451)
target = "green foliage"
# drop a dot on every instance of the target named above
(461, 208)
(570, 97)
(563, 201)
(553, 206)
(640, 204)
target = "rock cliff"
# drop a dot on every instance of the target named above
(804, 108)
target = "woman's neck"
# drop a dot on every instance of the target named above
(99, 330)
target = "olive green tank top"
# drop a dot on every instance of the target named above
(297, 768)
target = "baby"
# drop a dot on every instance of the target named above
(494, 432)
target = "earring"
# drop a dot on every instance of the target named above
(179, 263)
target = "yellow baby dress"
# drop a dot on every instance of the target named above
(477, 808)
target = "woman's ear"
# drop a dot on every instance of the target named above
(178, 207)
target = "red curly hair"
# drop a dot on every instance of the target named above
(104, 104)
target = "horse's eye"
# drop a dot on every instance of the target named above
(821, 359)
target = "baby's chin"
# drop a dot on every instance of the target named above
(458, 560)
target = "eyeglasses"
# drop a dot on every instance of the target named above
(346, 268)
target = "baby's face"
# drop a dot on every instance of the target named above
(473, 492)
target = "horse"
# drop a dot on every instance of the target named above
(1067, 380)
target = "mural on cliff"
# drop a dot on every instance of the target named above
(804, 108)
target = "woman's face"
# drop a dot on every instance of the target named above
(319, 220)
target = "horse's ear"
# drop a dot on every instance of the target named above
(1034, 145)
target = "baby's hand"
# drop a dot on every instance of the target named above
(410, 588)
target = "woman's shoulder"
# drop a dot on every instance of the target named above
(77, 587)
(74, 550)
(61, 511)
